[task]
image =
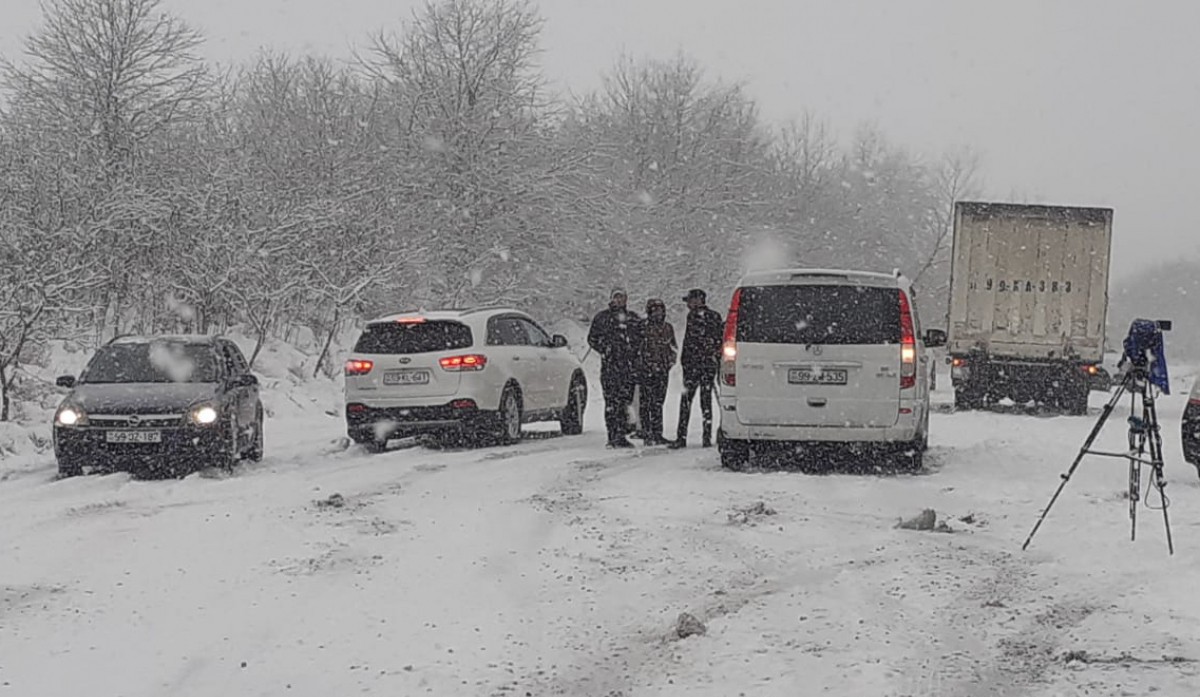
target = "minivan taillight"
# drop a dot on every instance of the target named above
(908, 345)
(469, 362)
(729, 343)
(357, 368)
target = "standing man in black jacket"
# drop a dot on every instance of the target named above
(701, 359)
(615, 335)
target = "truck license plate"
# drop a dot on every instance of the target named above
(805, 376)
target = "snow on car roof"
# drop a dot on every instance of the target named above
(442, 315)
(781, 276)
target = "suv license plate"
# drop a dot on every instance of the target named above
(406, 377)
(133, 437)
(803, 376)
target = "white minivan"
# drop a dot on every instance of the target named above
(824, 357)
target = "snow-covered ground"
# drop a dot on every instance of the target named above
(556, 567)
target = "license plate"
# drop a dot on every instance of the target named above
(406, 377)
(134, 436)
(804, 376)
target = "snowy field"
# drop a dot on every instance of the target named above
(556, 567)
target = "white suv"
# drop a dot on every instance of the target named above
(817, 357)
(473, 375)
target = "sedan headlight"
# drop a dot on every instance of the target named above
(70, 416)
(205, 415)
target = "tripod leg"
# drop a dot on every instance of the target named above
(1087, 445)
(1156, 457)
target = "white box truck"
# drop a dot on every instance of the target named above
(1028, 303)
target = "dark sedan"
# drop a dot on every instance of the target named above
(1190, 431)
(164, 404)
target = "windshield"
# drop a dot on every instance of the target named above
(811, 314)
(419, 337)
(153, 362)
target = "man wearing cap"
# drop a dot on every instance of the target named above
(615, 335)
(700, 358)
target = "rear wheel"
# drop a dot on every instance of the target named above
(735, 454)
(509, 428)
(1076, 400)
(910, 457)
(572, 418)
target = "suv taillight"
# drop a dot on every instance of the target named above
(908, 345)
(357, 368)
(469, 362)
(729, 343)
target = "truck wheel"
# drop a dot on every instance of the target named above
(967, 399)
(1077, 401)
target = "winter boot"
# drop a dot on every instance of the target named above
(678, 444)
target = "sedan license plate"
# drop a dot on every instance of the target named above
(805, 376)
(406, 377)
(133, 437)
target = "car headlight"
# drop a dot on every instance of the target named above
(205, 415)
(70, 416)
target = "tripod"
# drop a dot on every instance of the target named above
(1143, 434)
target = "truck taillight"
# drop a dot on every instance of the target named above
(358, 368)
(908, 345)
(469, 362)
(729, 343)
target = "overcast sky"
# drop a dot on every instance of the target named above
(1089, 102)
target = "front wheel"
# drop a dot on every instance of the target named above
(572, 417)
(256, 450)
(228, 456)
(68, 467)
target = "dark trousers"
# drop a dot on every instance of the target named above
(702, 382)
(654, 395)
(618, 385)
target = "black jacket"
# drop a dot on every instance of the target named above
(702, 340)
(615, 334)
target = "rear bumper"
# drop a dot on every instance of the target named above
(906, 429)
(1190, 434)
(87, 446)
(365, 422)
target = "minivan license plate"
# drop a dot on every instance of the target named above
(133, 437)
(406, 377)
(804, 376)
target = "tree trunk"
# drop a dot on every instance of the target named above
(333, 327)
(5, 401)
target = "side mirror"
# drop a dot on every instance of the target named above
(935, 338)
(558, 341)
(67, 381)
(246, 380)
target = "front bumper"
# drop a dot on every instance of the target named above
(365, 423)
(89, 446)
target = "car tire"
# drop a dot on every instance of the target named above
(572, 417)
(911, 456)
(735, 454)
(68, 468)
(229, 456)
(256, 450)
(508, 428)
(966, 399)
(1076, 400)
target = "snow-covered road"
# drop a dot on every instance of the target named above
(559, 568)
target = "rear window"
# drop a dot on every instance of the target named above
(420, 337)
(813, 314)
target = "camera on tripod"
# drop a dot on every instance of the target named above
(1144, 349)
(1146, 356)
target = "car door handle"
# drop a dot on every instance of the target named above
(516, 358)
